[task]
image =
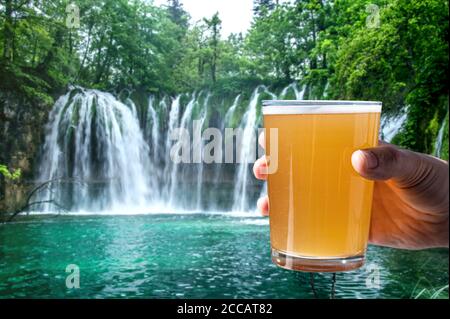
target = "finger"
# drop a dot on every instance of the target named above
(263, 205)
(260, 169)
(385, 162)
(262, 140)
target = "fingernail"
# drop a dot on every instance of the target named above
(371, 159)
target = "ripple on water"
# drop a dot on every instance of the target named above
(188, 256)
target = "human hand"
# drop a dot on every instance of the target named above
(411, 196)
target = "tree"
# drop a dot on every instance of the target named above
(214, 26)
(274, 44)
(136, 44)
(8, 32)
(177, 14)
(263, 7)
(403, 62)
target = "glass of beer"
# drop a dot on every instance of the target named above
(319, 206)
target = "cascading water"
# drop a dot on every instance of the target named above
(247, 150)
(96, 153)
(132, 106)
(391, 125)
(285, 91)
(173, 125)
(325, 90)
(264, 190)
(440, 137)
(175, 174)
(173, 121)
(199, 149)
(300, 94)
(108, 155)
(230, 113)
(293, 86)
(152, 135)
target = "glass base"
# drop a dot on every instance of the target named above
(306, 264)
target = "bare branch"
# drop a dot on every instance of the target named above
(42, 186)
(47, 184)
(28, 205)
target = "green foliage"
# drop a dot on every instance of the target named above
(432, 293)
(263, 7)
(15, 175)
(441, 145)
(445, 138)
(402, 61)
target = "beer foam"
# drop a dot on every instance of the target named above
(274, 107)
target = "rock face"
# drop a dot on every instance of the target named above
(22, 123)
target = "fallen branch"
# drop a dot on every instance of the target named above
(28, 203)
(26, 206)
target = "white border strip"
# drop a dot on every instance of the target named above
(321, 108)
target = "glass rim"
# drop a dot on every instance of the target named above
(274, 107)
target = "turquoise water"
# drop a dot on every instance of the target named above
(188, 256)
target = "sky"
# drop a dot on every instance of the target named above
(236, 15)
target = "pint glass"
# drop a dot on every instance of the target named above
(319, 206)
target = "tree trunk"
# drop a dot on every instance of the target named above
(58, 39)
(83, 61)
(314, 37)
(215, 54)
(8, 32)
(104, 67)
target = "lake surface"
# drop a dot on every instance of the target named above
(189, 256)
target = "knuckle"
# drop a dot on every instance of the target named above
(389, 156)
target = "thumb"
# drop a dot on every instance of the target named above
(422, 178)
(385, 162)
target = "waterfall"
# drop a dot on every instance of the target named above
(391, 125)
(96, 150)
(219, 169)
(153, 134)
(284, 92)
(440, 137)
(299, 95)
(173, 125)
(293, 86)
(230, 113)
(173, 121)
(132, 106)
(247, 152)
(272, 95)
(263, 190)
(108, 155)
(162, 107)
(199, 148)
(325, 90)
(174, 175)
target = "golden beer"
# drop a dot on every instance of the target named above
(319, 206)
